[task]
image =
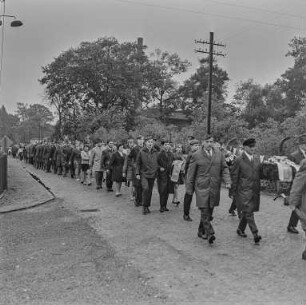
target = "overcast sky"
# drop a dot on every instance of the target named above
(256, 34)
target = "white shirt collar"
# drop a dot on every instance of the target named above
(249, 156)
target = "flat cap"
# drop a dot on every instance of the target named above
(194, 142)
(249, 142)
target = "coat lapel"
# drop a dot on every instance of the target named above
(247, 160)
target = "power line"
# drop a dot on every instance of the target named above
(258, 9)
(211, 14)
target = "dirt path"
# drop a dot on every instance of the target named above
(183, 268)
(49, 255)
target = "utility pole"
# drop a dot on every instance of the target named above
(211, 53)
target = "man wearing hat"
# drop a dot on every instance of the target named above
(164, 161)
(206, 171)
(132, 157)
(146, 171)
(194, 146)
(296, 157)
(245, 175)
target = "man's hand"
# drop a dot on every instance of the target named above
(228, 185)
(138, 177)
(162, 169)
(123, 175)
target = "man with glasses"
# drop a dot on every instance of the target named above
(206, 170)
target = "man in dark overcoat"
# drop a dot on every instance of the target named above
(164, 161)
(132, 157)
(206, 170)
(105, 159)
(297, 156)
(245, 175)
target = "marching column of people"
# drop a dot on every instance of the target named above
(202, 170)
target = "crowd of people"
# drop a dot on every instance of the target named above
(201, 166)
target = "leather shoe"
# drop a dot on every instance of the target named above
(304, 255)
(145, 211)
(241, 233)
(293, 230)
(161, 210)
(201, 235)
(257, 239)
(166, 210)
(232, 213)
(211, 239)
(187, 218)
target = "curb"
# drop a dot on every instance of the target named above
(15, 208)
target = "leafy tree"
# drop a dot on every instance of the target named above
(194, 92)
(162, 70)
(292, 81)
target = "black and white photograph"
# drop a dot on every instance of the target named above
(152, 152)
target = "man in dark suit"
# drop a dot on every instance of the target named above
(245, 175)
(296, 157)
(164, 161)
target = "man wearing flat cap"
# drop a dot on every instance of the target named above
(132, 157)
(245, 176)
(146, 172)
(194, 146)
(297, 156)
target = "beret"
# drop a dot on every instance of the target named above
(193, 142)
(249, 142)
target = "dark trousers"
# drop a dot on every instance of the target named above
(248, 219)
(187, 203)
(147, 188)
(138, 192)
(163, 182)
(233, 206)
(99, 178)
(293, 221)
(72, 169)
(48, 167)
(205, 223)
(108, 180)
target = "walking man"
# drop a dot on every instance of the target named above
(246, 188)
(146, 170)
(296, 157)
(206, 170)
(194, 146)
(164, 161)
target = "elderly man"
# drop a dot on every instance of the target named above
(245, 175)
(206, 170)
(297, 156)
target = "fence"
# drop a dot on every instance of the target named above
(3, 172)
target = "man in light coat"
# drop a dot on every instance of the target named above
(245, 175)
(298, 197)
(95, 163)
(206, 170)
